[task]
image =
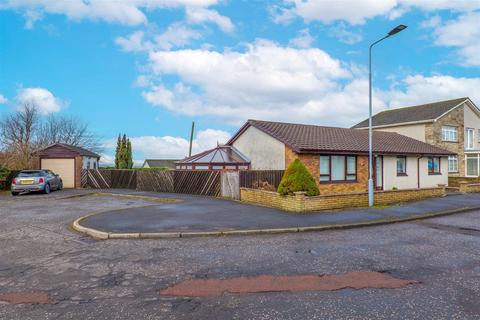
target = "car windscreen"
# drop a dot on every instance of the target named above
(30, 174)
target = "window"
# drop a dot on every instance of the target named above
(338, 168)
(401, 166)
(472, 165)
(95, 165)
(469, 139)
(449, 134)
(452, 164)
(88, 164)
(433, 165)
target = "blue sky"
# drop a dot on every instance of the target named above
(150, 68)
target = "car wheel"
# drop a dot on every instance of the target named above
(14, 193)
(47, 189)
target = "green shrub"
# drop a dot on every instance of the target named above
(297, 178)
(4, 172)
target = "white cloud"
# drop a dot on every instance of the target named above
(462, 33)
(264, 81)
(176, 35)
(201, 15)
(41, 98)
(357, 12)
(3, 100)
(342, 34)
(421, 89)
(303, 40)
(127, 12)
(168, 147)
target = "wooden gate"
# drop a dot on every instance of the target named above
(231, 185)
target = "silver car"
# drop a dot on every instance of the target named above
(36, 180)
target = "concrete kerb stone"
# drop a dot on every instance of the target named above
(97, 234)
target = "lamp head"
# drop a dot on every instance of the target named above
(397, 29)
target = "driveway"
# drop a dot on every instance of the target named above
(75, 277)
(197, 214)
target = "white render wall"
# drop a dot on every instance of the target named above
(264, 151)
(391, 180)
(471, 120)
(415, 131)
(90, 160)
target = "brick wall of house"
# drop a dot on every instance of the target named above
(312, 162)
(433, 135)
(301, 203)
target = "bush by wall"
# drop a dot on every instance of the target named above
(297, 178)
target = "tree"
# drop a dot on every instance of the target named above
(25, 130)
(129, 155)
(298, 178)
(117, 152)
(123, 153)
(18, 137)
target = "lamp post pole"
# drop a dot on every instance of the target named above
(370, 113)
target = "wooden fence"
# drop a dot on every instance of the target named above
(205, 183)
(261, 179)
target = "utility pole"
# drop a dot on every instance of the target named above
(191, 139)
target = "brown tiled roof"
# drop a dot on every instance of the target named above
(78, 150)
(424, 112)
(316, 139)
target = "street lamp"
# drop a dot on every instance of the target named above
(392, 32)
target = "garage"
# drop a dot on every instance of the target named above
(63, 167)
(67, 161)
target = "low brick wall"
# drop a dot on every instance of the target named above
(455, 181)
(466, 187)
(302, 203)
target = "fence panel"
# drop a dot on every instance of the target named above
(123, 179)
(155, 180)
(96, 179)
(205, 183)
(261, 179)
(231, 184)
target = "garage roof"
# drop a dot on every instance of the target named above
(65, 149)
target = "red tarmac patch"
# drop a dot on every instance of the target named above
(267, 283)
(26, 297)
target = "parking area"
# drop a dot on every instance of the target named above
(71, 276)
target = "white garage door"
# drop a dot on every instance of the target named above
(63, 167)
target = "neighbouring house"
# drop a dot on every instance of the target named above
(159, 163)
(338, 157)
(218, 158)
(67, 161)
(453, 125)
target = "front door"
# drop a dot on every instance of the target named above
(378, 172)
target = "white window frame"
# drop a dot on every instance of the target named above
(478, 164)
(452, 164)
(470, 138)
(449, 134)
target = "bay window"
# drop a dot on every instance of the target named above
(337, 168)
(433, 165)
(472, 166)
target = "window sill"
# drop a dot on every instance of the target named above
(449, 141)
(435, 174)
(402, 175)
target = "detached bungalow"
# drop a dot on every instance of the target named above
(338, 157)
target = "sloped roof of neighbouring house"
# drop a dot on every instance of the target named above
(159, 163)
(218, 155)
(79, 151)
(414, 114)
(317, 139)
